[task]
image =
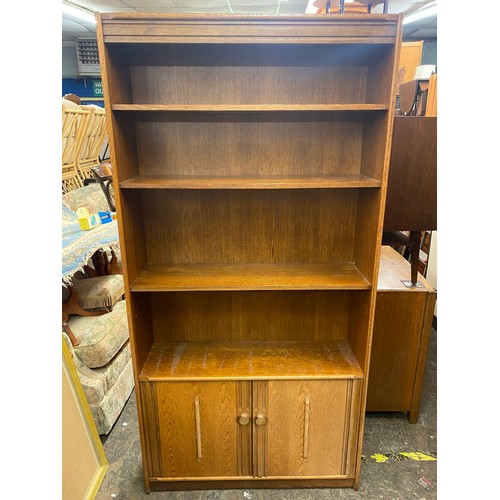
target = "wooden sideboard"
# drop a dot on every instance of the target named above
(401, 332)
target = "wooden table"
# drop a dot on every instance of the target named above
(403, 319)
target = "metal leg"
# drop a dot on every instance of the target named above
(415, 255)
(342, 6)
(386, 6)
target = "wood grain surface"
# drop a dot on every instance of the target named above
(394, 269)
(285, 433)
(242, 108)
(336, 181)
(250, 226)
(248, 144)
(176, 432)
(255, 315)
(403, 318)
(260, 76)
(250, 361)
(224, 277)
(250, 159)
(220, 29)
(412, 187)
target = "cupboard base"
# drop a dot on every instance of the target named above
(167, 484)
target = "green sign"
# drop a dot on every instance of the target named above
(97, 88)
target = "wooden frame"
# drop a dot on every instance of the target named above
(83, 459)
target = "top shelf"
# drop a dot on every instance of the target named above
(217, 108)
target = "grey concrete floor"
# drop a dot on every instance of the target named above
(385, 474)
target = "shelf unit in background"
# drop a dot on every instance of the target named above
(250, 162)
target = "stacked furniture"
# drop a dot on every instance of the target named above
(83, 135)
(74, 124)
(92, 142)
(250, 159)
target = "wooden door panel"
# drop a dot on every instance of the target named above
(307, 427)
(196, 427)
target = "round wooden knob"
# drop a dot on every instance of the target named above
(260, 419)
(244, 419)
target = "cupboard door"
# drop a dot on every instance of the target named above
(311, 427)
(192, 428)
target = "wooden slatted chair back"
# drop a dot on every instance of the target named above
(92, 142)
(74, 123)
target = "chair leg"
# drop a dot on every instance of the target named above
(386, 6)
(73, 307)
(113, 267)
(100, 261)
(70, 334)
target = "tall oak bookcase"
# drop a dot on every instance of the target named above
(250, 161)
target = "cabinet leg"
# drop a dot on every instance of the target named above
(412, 416)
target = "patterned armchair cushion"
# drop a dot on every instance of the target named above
(112, 370)
(90, 196)
(100, 337)
(102, 291)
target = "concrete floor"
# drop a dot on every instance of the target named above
(385, 473)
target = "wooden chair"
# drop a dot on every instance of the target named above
(92, 142)
(74, 124)
(104, 175)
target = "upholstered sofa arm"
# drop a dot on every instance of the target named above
(93, 384)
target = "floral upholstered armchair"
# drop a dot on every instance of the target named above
(103, 362)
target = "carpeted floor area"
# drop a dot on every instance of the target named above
(399, 459)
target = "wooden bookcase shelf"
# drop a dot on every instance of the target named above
(250, 361)
(248, 108)
(213, 277)
(338, 181)
(250, 159)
